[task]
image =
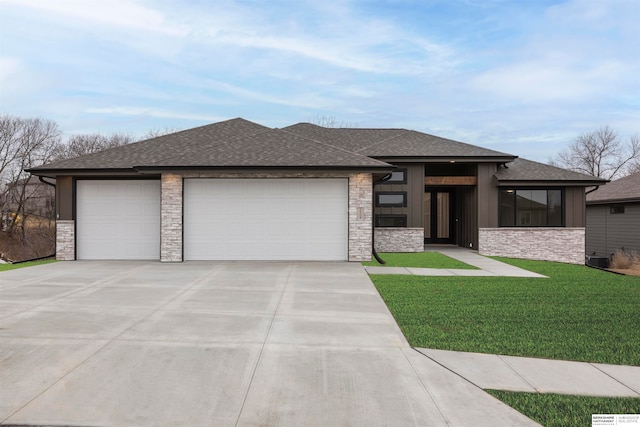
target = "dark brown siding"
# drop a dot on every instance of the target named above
(466, 217)
(574, 206)
(415, 190)
(64, 197)
(487, 196)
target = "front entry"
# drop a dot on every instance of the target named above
(439, 226)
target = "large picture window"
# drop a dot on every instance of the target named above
(531, 207)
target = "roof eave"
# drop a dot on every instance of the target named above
(613, 201)
(547, 182)
(361, 168)
(52, 173)
(446, 159)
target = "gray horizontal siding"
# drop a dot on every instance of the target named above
(608, 232)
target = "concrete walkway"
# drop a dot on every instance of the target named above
(491, 371)
(486, 266)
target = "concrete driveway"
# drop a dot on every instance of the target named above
(220, 344)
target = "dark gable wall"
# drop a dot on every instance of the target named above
(64, 197)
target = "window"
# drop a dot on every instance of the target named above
(398, 176)
(391, 220)
(531, 207)
(391, 199)
(616, 209)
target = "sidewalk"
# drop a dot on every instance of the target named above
(487, 266)
(525, 374)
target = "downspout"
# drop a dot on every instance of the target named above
(592, 190)
(41, 179)
(373, 219)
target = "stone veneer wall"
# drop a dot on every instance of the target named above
(171, 218)
(65, 240)
(360, 203)
(546, 244)
(360, 216)
(399, 239)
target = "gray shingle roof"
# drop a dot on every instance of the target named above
(623, 189)
(153, 150)
(244, 144)
(528, 170)
(272, 148)
(385, 143)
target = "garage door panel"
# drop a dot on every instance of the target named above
(118, 219)
(266, 219)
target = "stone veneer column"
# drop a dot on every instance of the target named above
(171, 218)
(65, 240)
(360, 216)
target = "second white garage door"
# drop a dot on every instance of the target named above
(265, 219)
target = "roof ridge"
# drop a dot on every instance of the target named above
(227, 141)
(330, 145)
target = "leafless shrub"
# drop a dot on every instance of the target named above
(622, 260)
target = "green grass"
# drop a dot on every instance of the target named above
(578, 313)
(6, 267)
(557, 410)
(419, 260)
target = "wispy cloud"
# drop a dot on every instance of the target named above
(116, 13)
(497, 73)
(156, 113)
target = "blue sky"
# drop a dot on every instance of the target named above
(524, 77)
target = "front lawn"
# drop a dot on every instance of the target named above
(578, 313)
(6, 267)
(419, 260)
(558, 410)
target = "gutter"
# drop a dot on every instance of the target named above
(41, 179)
(592, 190)
(373, 219)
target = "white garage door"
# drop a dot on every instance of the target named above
(265, 219)
(118, 219)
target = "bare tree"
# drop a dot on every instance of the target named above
(332, 122)
(79, 145)
(601, 153)
(154, 133)
(24, 143)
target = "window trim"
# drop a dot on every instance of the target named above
(382, 216)
(404, 177)
(515, 207)
(403, 204)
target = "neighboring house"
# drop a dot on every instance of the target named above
(239, 190)
(29, 196)
(613, 217)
